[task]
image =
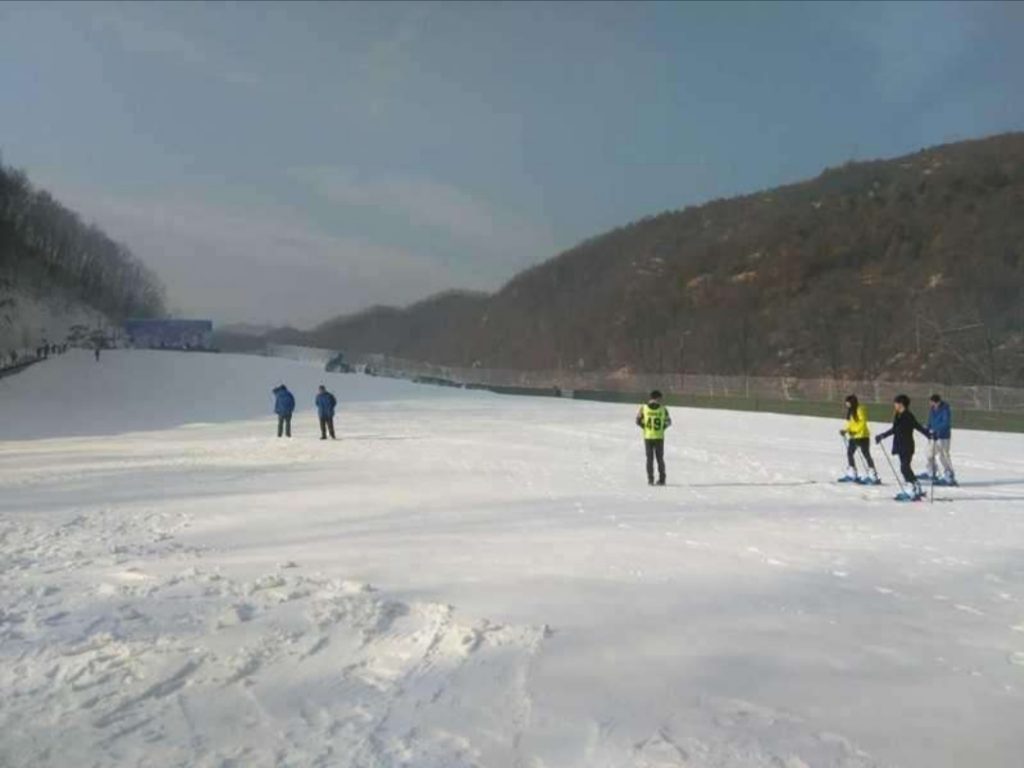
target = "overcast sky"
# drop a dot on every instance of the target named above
(285, 163)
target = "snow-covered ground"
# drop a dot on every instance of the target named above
(466, 579)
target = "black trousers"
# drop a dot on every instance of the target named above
(864, 443)
(906, 457)
(655, 450)
(326, 425)
(284, 424)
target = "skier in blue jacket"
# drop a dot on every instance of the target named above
(940, 424)
(284, 406)
(325, 404)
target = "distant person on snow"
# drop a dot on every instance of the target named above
(325, 404)
(903, 425)
(284, 406)
(940, 424)
(858, 436)
(97, 353)
(653, 419)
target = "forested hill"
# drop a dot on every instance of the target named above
(47, 251)
(904, 268)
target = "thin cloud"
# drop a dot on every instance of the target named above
(420, 202)
(266, 265)
(388, 59)
(909, 51)
(151, 39)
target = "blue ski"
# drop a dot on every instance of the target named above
(904, 496)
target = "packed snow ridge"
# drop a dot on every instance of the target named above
(465, 579)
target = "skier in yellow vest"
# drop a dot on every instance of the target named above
(857, 434)
(653, 419)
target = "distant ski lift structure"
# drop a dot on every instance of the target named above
(169, 334)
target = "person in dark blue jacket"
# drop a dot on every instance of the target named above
(903, 425)
(325, 404)
(940, 424)
(284, 406)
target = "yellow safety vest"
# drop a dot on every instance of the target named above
(857, 425)
(654, 422)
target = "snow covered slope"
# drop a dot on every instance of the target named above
(131, 390)
(465, 579)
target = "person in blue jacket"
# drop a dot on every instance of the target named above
(940, 424)
(325, 404)
(284, 406)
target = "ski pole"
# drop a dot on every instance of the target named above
(846, 451)
(899, 480)
(931, 456)
(846, 444)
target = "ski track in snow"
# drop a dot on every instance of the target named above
(197, 594)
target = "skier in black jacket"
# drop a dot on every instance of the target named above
(903, 425)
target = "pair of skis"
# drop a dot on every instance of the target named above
(866, 480)
(904, 496)
(942, 482)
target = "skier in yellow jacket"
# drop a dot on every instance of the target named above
(653, 419)
(858, 435)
